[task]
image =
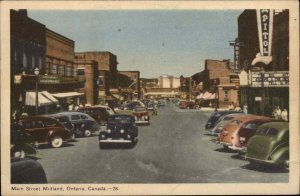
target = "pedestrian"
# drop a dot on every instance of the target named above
(277, 113)
(71, 107)
(76, 107)
(155, 108)
(231, 106)
(284, 115)
(245, 109)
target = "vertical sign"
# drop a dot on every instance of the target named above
(265, 31)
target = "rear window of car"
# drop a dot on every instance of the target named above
(265, 131)
(251, 126)
(75, 117)
(83, 117)
(139, 109)
(235, 122)
(119, 119)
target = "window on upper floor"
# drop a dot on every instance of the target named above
(53, 69)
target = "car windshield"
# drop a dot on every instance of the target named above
(139, 109)
(265, 131)
(250, 126)
(119, 119)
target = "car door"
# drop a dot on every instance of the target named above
(36, 128)
(76, 121)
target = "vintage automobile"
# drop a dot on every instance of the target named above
(150, 106)
(226, 135)
(270, 145)
(132, 105)
(64, 120)
(223, 120)
(107, 108)
(21, 143)
(241, 137)
(46, 130)
(141, 115)
(27, 171)
(188, 105)
(84, 125)
(120, 128)
(211, 122)
(99, 113)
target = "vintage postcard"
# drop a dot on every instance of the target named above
(149, 97)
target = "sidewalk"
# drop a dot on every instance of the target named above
(210, 109)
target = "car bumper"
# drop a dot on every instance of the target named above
(142, 122)
(110, 140)
(241, 149)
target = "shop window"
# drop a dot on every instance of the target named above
(32, 62)
(53, 69)
(24, 60)
(80, 72)
(68, 71)
(61, 70)
(40, 62)
(226, 95)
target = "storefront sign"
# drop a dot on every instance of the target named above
(265, 30)
(270, 79)
(49, 79)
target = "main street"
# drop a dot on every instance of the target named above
(173, 149)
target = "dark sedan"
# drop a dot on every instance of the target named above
(211, 122)
(120, 129)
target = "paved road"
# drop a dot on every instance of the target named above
(173, 149)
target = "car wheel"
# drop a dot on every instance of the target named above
(18, 153)
(87, 133)
(56, 141)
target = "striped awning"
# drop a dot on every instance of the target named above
(67, 94)
(44, 98)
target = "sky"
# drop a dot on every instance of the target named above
(154, 42)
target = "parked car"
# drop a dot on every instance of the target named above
(150, 106)
(107, 108)
(211, 122)
(99, 113)
(64, 120)
(132, 105)
(161, 102)
(21, 143)
(226, 135)
(188, 105)
(84, 125)
(141, 115)
(27, 171)
(223, 120)
(120, 128)
(46, 130)
(270, 145)
(242, 135)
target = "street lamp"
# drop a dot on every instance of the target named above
(36, 72)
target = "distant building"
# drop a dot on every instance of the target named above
(166, 81)
(107, 70)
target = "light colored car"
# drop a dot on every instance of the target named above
(108, 109)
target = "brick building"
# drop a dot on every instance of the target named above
(222, 81)
(88, 71)
(107, 71)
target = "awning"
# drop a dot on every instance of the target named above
(206, 96)
(67, 94)
(44, 98)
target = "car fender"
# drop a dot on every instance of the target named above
(280, 154)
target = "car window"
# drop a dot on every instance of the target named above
(75, 117)
(83, 117)
(228, 118)
(265, 131)
(139, 109)
(37, 124)
(26, 124)
(235, 122)
(119, 119)
(50, 123)
(250, 126)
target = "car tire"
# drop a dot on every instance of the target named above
(56, 141)
(87, 133)
(18, 153)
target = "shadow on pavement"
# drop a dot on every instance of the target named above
(265, 168)
(119, 146)
(226, 150)
(47, 146)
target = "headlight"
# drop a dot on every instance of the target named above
(122, 131)
(108, 131)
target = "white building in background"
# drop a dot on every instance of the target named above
(166, 81)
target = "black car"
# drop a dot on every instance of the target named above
(216, 115)
(84, 125)
(120, 128)
(21, 142)
(27, 171)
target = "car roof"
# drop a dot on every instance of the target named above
(40, 117)
(125, 115)
(249, 117)
(280, 126)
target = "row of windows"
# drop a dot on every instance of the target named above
(61, 70)
(29, 61)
